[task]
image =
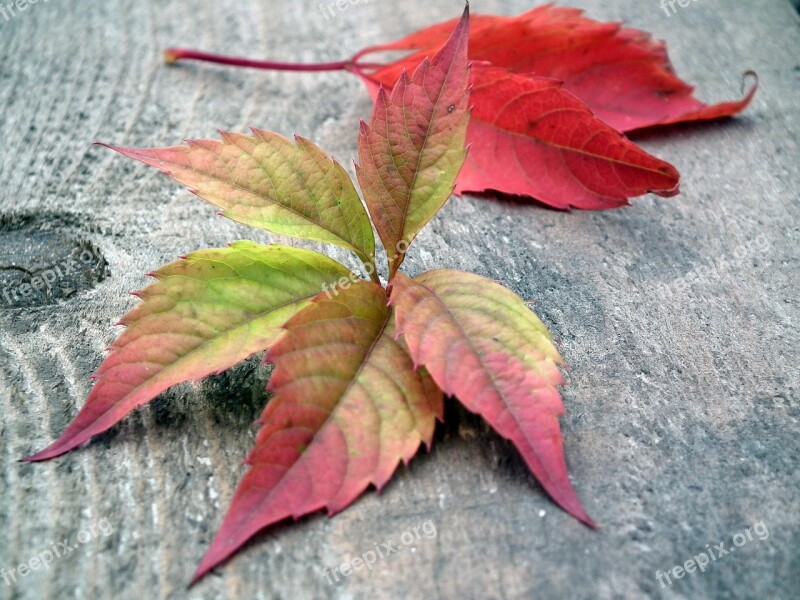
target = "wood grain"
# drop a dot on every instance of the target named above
(682, 426)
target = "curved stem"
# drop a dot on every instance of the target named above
(365, 51)
(173, 55)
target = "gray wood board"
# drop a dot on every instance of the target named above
(682, 407)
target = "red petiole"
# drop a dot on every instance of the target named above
(173, 55)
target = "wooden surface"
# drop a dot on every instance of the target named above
(682, 426)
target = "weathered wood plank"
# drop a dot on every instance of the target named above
(682, 426)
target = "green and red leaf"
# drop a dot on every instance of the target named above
(413, 149)
(270, 182)
(348, 407)
(482, 344)
(206, 313)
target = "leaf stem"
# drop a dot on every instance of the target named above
(173, 55)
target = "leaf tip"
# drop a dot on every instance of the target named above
(667, 193)
(383, 96)
(198, 575)
(587, 520)
(109, 146)
(52, 451)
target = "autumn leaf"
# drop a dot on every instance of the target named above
(622, 74)
(359, 381)
(205, 314)
(481, 344)
(267, 181)
(348, 407)
(611, 77)
(413, 149)
(532, 137)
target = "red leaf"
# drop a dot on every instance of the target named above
(697, 111)
(622, 74)
(481, 344)
(531, 137)
(348, 406)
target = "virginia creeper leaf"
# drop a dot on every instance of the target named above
(532, 137)
(622, 74)
(268, 181)
(359, 380)
(481, 344)
(413, 149)
(205, 314)
(348, 407)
